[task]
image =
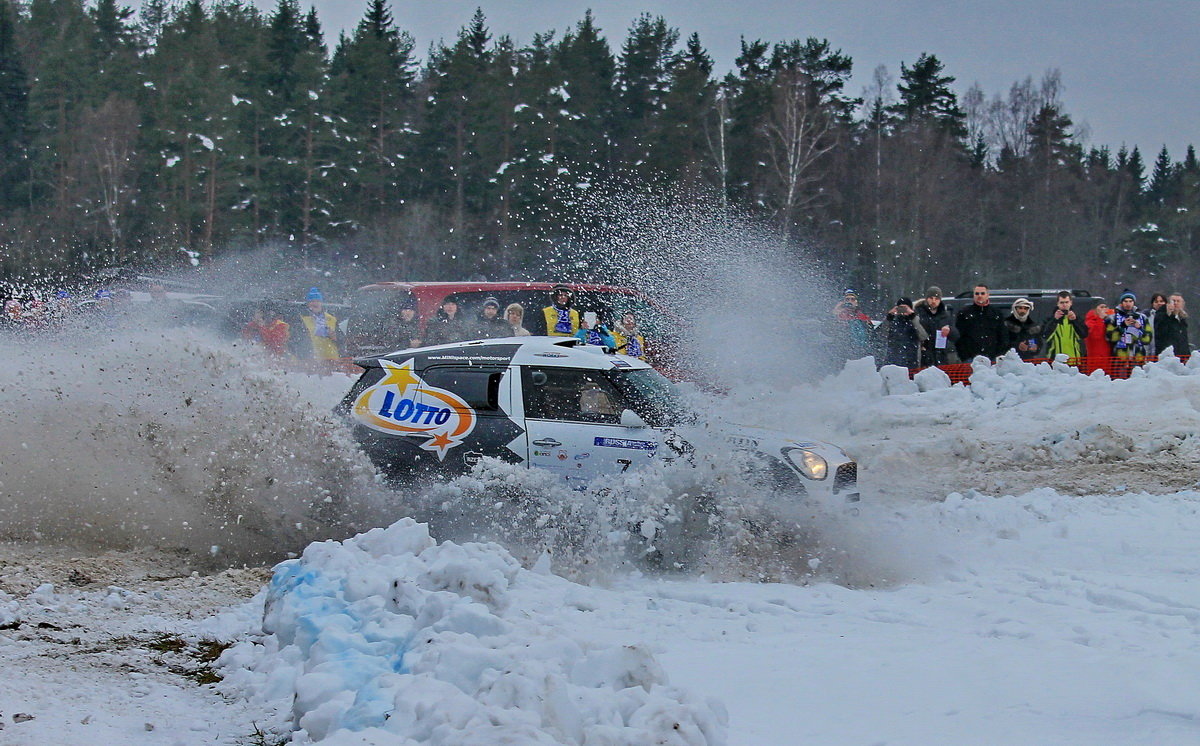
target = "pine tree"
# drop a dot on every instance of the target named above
(588, 72)
(14, 107)
(456, 111)
(688, 106)
(749, 90)
(372, 90)
(926, 98)
(1164, 180)
(643, 79)
(115, 46)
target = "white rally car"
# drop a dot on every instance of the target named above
(556, 404)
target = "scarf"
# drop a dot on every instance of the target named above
(563, 325)
(320, 325)
(593, 337)
(633, 347)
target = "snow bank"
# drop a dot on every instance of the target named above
(1018, 426)
(390, 637)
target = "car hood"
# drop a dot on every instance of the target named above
(761, 439)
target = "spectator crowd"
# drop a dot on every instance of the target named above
(312, 333)
(911, 334)
(927, 332)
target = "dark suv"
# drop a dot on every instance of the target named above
(1044, 300)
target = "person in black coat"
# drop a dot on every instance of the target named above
(488, 324)
(448, 325)
(903, 334)
(937, 321)
(980, 329)
(1171, 327)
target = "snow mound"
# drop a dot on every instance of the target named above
(390, 637)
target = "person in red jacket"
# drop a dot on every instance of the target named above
(268, 328)
(1099, 351)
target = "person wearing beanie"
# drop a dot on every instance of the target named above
(1024, 334)
(938, 322)
(903, 335)
(1129, 331)
(981, 329)
(488, 324)
(321, 340)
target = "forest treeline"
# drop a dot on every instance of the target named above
(189, 131)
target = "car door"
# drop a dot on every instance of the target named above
(573, 425)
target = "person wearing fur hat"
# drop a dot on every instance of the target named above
(938, 322)
(515, 316)
(1170, 326)
(1129, 330)
(903, 335)
(1024, 334)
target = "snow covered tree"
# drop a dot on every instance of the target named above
(372, 75)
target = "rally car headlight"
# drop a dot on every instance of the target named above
(807, 463)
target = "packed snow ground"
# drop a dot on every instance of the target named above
(1022, 569)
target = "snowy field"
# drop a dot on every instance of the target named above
(1022, 569)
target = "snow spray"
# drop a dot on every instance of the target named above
(170, 437)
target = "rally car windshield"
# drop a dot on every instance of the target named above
(652, 396)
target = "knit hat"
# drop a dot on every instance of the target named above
(314, 294)
(490, 301)
(1022, 302)
(933, 291)
(904, 302)
(1127, 294)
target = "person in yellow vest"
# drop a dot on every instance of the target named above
(321, 327)
(561, 319)
(629, 337)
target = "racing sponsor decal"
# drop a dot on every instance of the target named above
(401, 403)
(640, 445)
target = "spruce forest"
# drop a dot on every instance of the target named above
(187, 132)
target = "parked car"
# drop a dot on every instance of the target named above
(555, 404)
(1044, 300)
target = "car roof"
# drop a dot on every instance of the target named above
(488, 285)
(562, 352)
(1028, 293)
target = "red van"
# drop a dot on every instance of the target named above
(372, 307)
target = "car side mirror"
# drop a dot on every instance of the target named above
(630, 418)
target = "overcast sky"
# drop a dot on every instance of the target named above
(1129, 67)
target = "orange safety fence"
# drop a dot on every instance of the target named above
(1115, 367)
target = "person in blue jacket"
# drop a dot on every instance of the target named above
(593, 332)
